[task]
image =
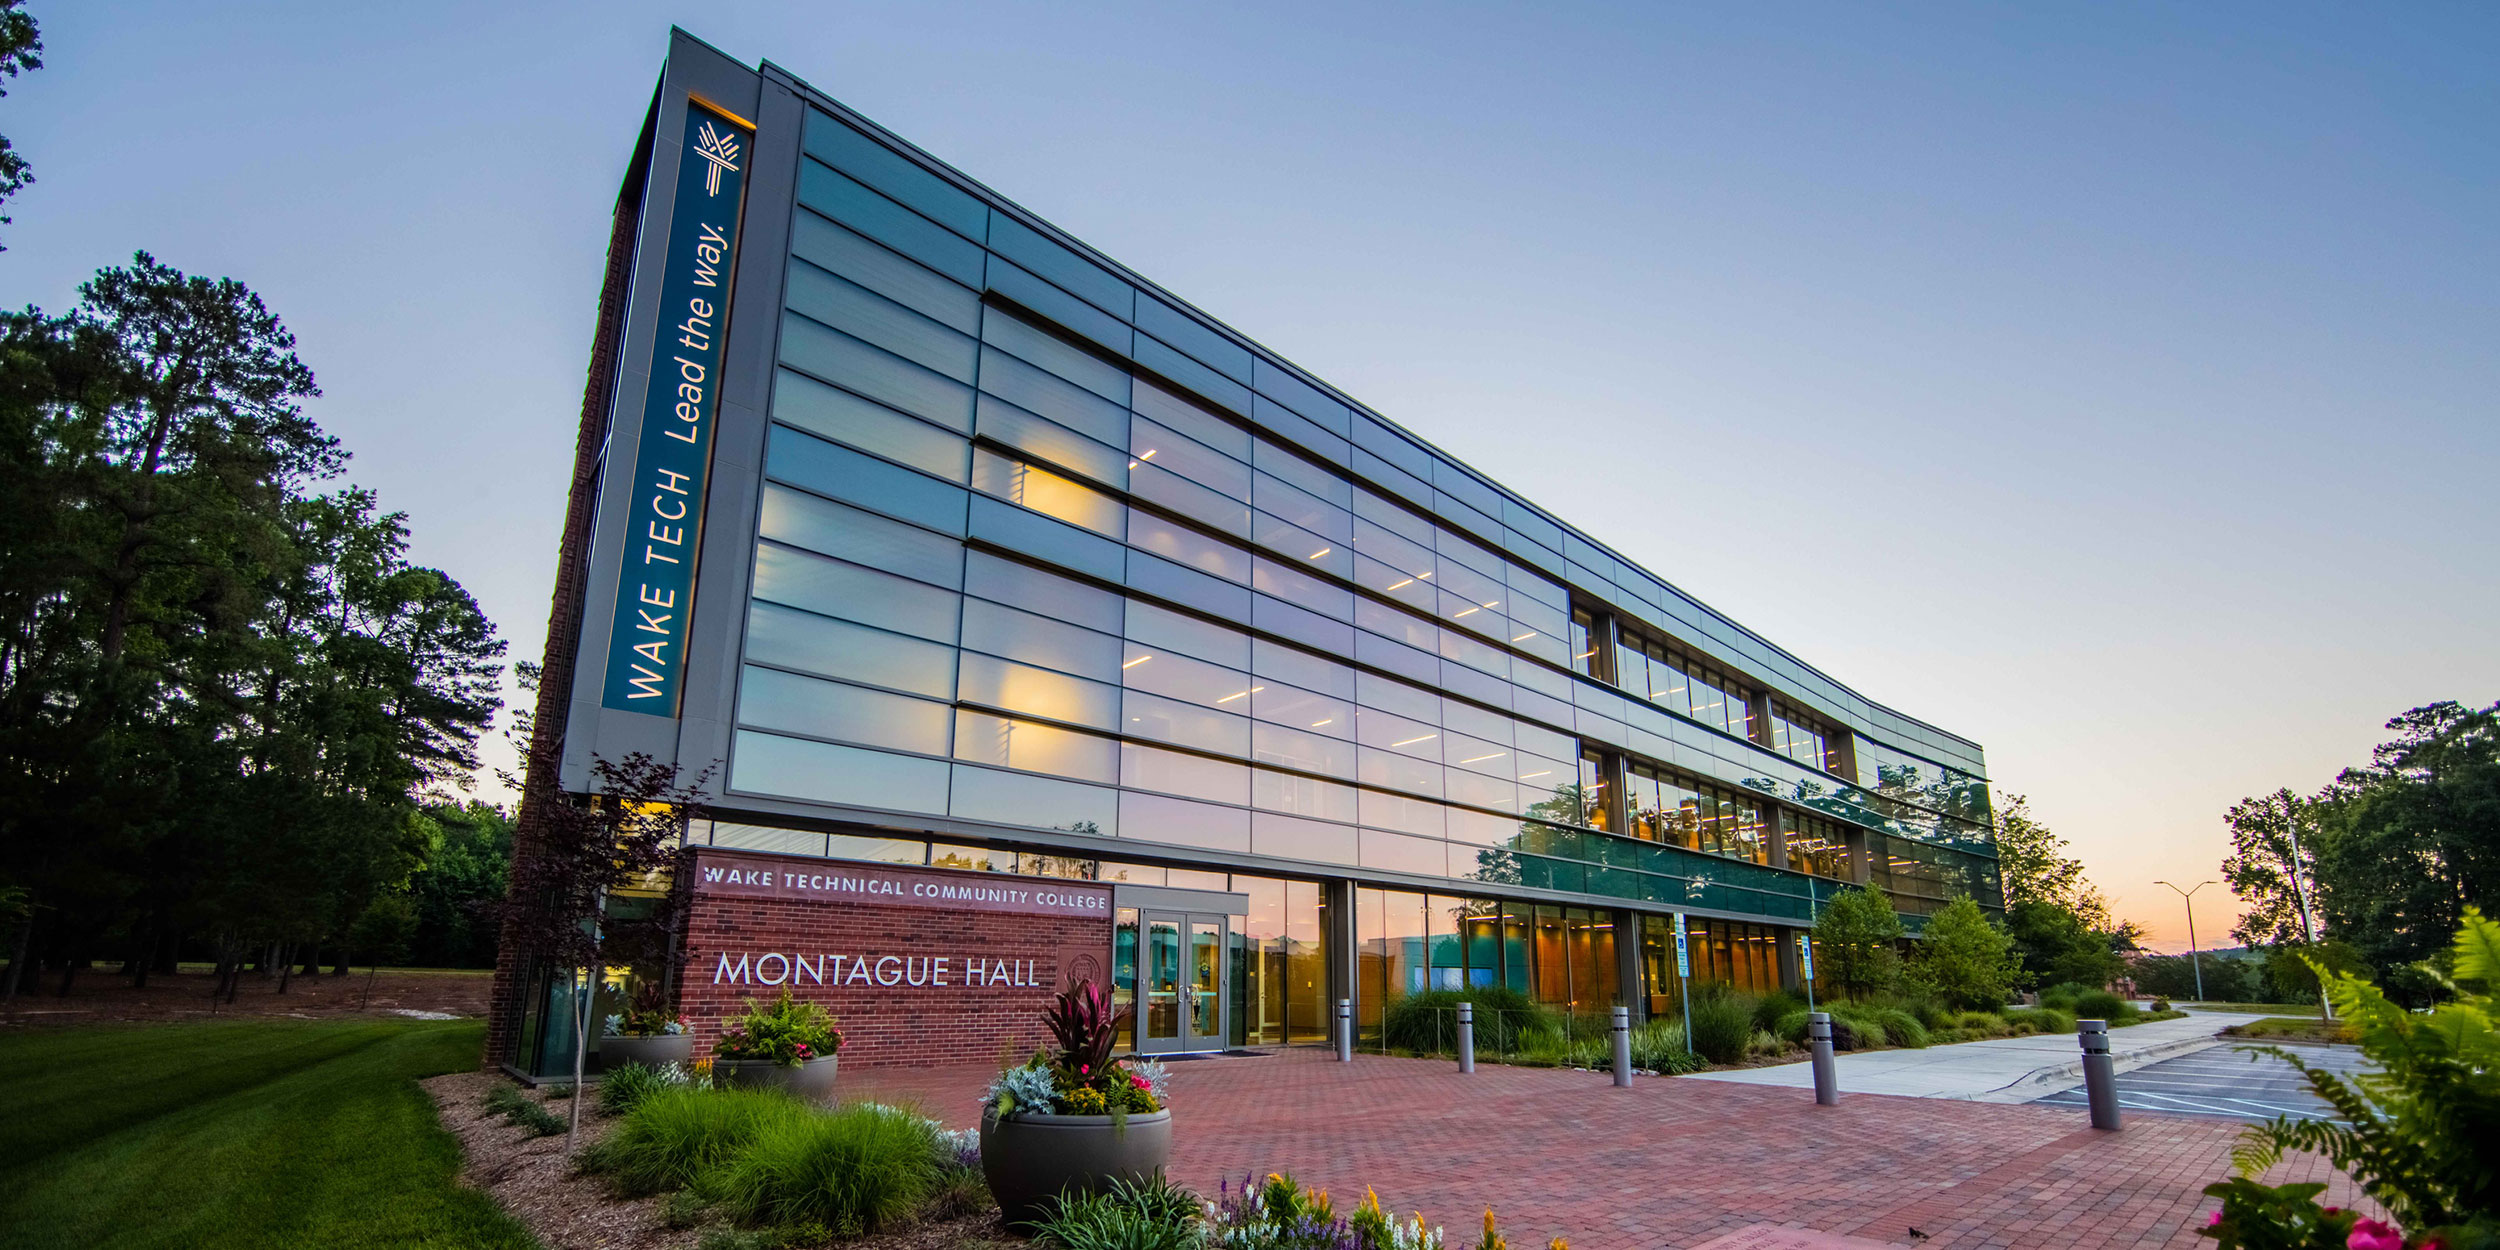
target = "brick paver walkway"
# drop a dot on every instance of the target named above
(1670, 1163)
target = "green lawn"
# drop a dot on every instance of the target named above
(237, 1133)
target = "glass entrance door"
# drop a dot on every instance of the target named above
(1181, 983)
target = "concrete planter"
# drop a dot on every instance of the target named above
(650, 1052)
(1030, 1160)
(812, 1080)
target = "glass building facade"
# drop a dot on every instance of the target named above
(1040, 569)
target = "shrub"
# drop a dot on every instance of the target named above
(853, 1171)
(1900, 1027)
(1156, 1215)
(1982, 1023)
(1721, 1027)
(2040, 1019)
(677, 1136)
(2103, 1005)
(1845, 1030)
(1774, 1006)
(1658, 1045)
(1866, 1027)
(2161, 1004)
(1429, 1021)
(2063, 996)
(1764, 1043)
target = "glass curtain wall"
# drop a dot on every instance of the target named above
(1744, 956)
(1408, 942)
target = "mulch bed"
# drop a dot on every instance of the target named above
(101, 997)
(532, 1178)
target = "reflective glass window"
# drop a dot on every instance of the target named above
(882, 376)
(855, 205)
(1294, 837)
(1481, 790)
(772, 699)
(890, 274)
(1022, 688)
(1302, 546)
(1300, 668)
(1174, 493)
(795, 578)
(1300, 508)
(981, 738)
(1037, 346)
(872, 318)
(1180, 677)
(1050, 441)
(1047, 493)
(1190, 776)
(1175, 413)
(1397, 852)
(1035, 590)
(847, 533)
(1150, 443)
(1375, 728)
(1015, 635)
(1394, 771)
(1295, 748)
(1302, 796)
(1296, 708)
(822, 645)
(837, 414)
(1180, 822)
(1184, 724)
(1034, 802)
(1186, 546)
(1037, 390)
(1162, 629)
(837, 472)
(1301, 589)
(766, 763)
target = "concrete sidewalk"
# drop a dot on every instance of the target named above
(2009, 1069)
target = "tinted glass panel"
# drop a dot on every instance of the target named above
(819, 644)
(771, 699)
(872, 427)
(789, 576)
(985, 739)
(837, 357)
(833, 529)
(763, 763)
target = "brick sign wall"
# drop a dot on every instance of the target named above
(921, 965)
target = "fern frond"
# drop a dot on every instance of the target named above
(2478, 950)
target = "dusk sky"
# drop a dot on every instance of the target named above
(2117, 386)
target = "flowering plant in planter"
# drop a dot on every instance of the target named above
(789, 1032)
(650, 1015)
(1077, 1074)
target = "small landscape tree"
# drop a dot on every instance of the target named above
(1858, 939)
(1966, 960)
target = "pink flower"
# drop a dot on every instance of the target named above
(2372, 1235)
(1084, 1069)
(2214, 1220)
(1139, 1082)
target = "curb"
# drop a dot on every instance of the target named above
(2041, 1082)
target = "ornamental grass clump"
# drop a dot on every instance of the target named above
(789, 1032)
(1658, 1045)
(1722, 1027)
(676, 1137)
(1077, 1074)
(627, 1085)
(1152, 1215)
(851, 1171)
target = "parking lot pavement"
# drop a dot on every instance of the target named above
(2225, 1083)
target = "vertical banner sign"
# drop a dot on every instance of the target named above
(1683, 959)
(655, 591)
(1805, 956)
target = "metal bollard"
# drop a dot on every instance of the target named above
(1826, 1072)
(2100, 1072)
(1345, 1030)
(1466, 1037)
(1623, 1046)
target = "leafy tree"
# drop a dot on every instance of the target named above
(20, 48)
(2037, 869)
(1857, 940)
(1965, 959)
(2274, 838)
(2409, 842)
(2226, 980)
(2056, 947)
(460, 884)
(2290, 970)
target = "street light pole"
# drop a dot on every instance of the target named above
(2194, 960)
